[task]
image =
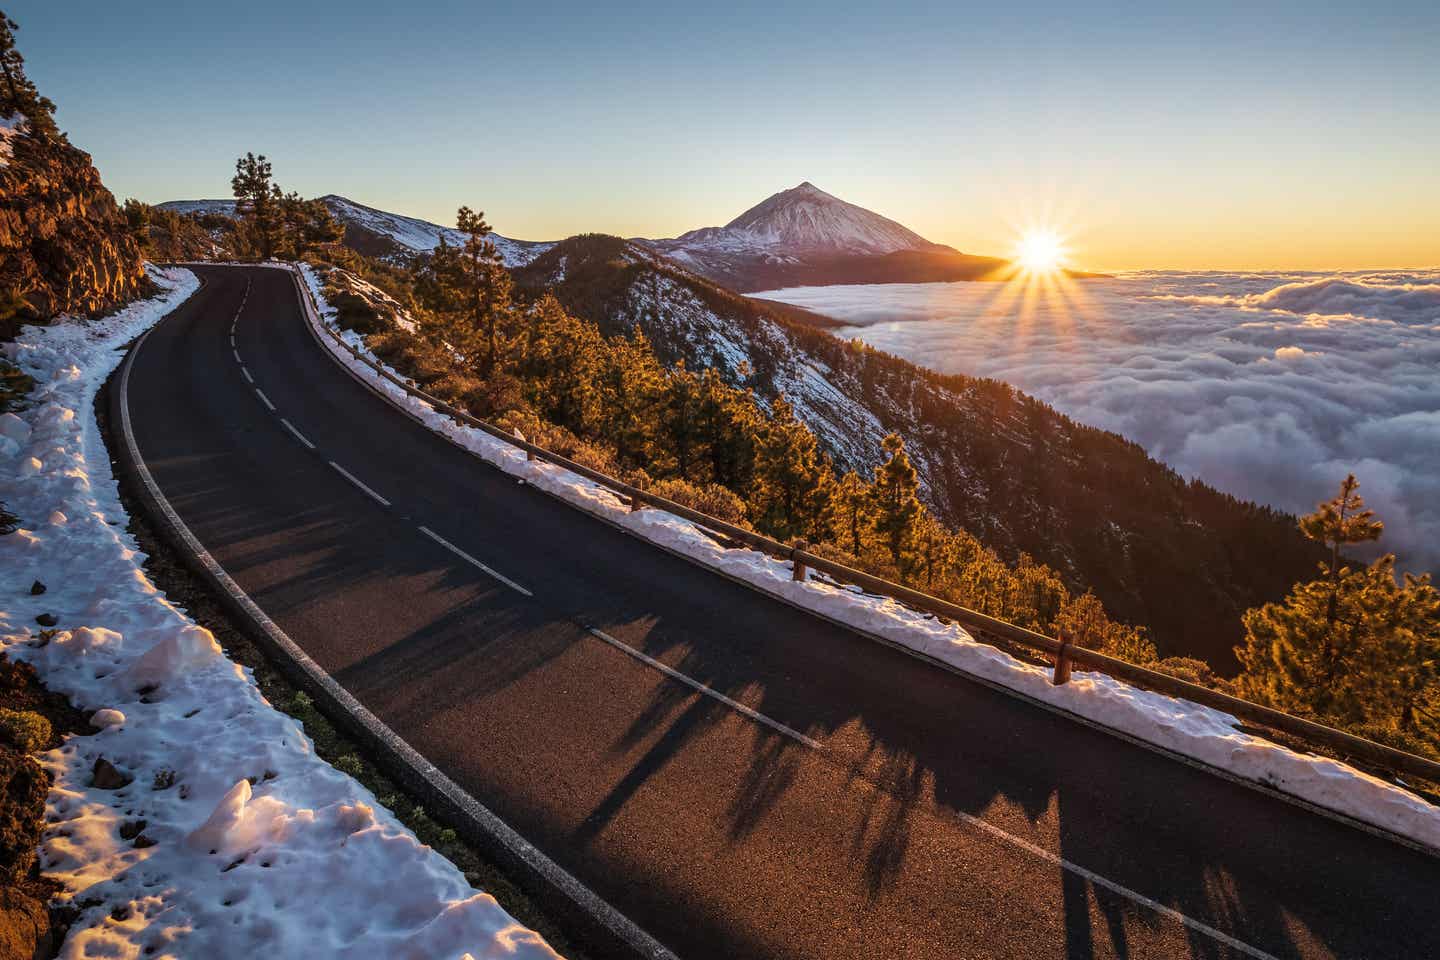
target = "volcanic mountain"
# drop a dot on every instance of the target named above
(807, 236)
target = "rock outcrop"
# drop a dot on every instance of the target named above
(65, 246)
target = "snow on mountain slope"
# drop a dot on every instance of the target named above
(422, 236)
(805, 236)
(225, 208)
(688, 318)
(803, 219)
(380, 233)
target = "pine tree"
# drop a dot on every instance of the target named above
(896, 505)
(470, 295)
(850, 516)
(728, 421)
(1353, 647)
(304, 225)
(680, 426)
(18, 95)
(1337, 523)
(257, 201)
(793, 478)
(631, 383)
(935, 551)
(559, 362)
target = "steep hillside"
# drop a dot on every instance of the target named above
(377, 233)
(1180, 557)
(805, 236)
(64, 244)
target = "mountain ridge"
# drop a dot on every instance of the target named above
(380, 233)
(796, 237)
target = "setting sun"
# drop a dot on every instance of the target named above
(1040, 251)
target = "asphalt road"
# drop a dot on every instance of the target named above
(868, 805)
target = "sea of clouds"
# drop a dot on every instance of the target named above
(1269, 386)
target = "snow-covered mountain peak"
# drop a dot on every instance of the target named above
(807, 219)
(802, 221)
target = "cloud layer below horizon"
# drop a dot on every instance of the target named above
(1268, 386)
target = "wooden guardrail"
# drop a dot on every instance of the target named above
(1063, 654)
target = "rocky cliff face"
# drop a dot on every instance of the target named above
(64, 244)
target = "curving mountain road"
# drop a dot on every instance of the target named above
(861, 804)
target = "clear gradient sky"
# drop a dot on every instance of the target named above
(1219, 135)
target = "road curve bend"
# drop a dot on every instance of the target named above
(739, 778)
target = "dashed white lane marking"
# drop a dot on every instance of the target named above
(232, 338)
(246, 370)
(237, 356)
(465, 556)
(298, 435)
(264, 399)
(735, 705)
(356, 480)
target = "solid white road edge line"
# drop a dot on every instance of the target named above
(298, 435)
(356, 480)
(465, 556)
(264, 399)
(735, 705)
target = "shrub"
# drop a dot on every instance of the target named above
(24, 786)
(710, 498)
(1189, 669)
(354, 312)
(557, 439)
(456, 388)
(25, 729)
(349, 764)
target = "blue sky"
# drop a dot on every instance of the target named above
(1222, 135)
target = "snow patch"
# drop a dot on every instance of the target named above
(231, 838)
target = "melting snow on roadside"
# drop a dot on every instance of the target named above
(219, 833)
(1186, 728)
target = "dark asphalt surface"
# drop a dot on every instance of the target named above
(717, 834)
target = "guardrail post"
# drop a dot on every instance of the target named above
(636, 504)
(797, 566)
(529, 454)
(1062, 663)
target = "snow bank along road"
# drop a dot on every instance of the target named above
(740, 778)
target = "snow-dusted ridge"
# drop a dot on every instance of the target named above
(1202, 734)
(259, 846)
(409, 234)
